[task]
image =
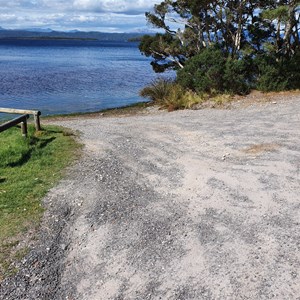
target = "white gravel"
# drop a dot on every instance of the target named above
(184, 205)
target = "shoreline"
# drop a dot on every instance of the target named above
(235, 102)
(130, 109)
(142, 108)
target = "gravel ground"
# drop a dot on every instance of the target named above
(184, 205)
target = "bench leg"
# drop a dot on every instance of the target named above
(37, 122)
(24, 128)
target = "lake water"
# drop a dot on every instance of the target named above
(70, 76)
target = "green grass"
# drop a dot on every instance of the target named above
(29, 167)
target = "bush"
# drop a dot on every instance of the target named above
(211, 72)
(237, 76)
(158, 90)
(204, 72)
(277, 74)
(269, 74)
(292, 71)
(181, 99)
(170, 95)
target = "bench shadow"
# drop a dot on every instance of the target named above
(22, 160)
(44, 143)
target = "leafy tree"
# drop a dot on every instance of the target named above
(285, 17)
(243, 32)
(201, 24)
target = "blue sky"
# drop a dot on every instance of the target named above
(85, 15)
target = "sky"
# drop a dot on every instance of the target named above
(83, 15)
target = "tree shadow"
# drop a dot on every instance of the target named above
(2, 179)
(26, 156)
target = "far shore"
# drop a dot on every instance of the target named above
(45, 38)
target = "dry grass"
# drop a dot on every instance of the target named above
(261, 148)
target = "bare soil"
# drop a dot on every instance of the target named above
(197, 204)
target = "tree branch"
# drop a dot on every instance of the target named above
(163, 56)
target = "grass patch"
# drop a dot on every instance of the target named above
(29, 167)
(170, 95)
(221, 100)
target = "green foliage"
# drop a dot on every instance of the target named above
(161, 47)
(211, 72)
(279, 13)
(237, 77)
(203, 72)
(292, 70)
(270, 76)
(29, 167)
(278, 74)
(226, 46)
(178, 98)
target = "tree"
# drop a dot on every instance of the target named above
(242, 31)
(200, 25)
(235, 26)
(285, 17)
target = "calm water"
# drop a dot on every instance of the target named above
(71, 76)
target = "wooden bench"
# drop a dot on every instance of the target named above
(22, 119)
(36, 114)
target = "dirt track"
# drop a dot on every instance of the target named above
(184, 205)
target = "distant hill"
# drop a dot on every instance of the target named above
(50, 34)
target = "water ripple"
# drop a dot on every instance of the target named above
(65, 79)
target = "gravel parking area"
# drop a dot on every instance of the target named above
(184, 205)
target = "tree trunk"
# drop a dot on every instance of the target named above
(238, 34)
(289, 26)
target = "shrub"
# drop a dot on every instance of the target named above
(269, 74)
(277, 73)
(237, 76)
(211, 72)
(204, 72)
(292, 71)
(170, 95)
(158, 90)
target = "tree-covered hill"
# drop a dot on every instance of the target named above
(50, 34)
